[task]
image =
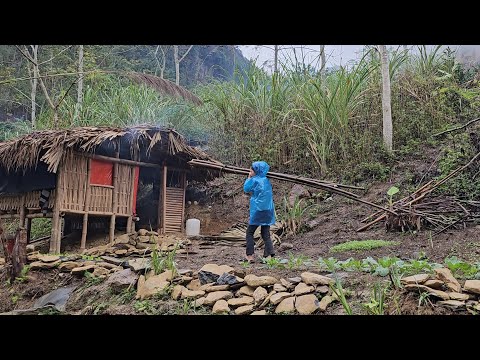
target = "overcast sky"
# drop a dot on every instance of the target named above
(335, 54)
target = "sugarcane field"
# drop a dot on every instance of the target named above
(199, 180)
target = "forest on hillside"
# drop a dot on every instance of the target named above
(299, 118)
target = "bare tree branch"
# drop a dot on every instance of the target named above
(186, 53)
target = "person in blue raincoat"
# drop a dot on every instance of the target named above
(262, 212)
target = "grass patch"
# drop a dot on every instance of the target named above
(358, 245)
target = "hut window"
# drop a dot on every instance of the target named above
(101, 173)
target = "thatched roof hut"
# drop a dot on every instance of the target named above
(96, 171)
(134, 143)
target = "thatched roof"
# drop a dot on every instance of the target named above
(50, 146)
(163, 86)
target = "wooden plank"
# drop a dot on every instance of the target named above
(114, 202)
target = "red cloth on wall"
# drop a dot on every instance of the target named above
(101, 172)
(135, 188)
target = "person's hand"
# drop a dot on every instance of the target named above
(251, 173)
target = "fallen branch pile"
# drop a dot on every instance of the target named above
(318, 184)
(440, 213)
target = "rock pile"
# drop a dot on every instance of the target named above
(447, 289)
(221, 289)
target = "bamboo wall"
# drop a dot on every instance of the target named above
(75, 182)
(32, 201)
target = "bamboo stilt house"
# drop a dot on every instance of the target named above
(77, 175)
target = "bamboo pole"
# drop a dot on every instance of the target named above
(55, 241)
(290, 178)
(92, 212)
(111, 234)
(273, 175)
(130, 223)
(86, 206)
(128, 162)
(28, 216)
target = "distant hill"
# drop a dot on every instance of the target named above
(202, 64)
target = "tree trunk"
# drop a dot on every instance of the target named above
(322, 64)
(178, 61)
(386, 103)
(177, 64)
(162, 69)
(34, 86)
(78, 107)
(275, 64)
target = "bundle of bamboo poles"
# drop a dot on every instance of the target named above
(235, 236)
(314, 183)
(440, 213)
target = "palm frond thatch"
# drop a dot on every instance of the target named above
(50, 146)
(163, 86)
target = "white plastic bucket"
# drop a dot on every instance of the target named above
(192, 227)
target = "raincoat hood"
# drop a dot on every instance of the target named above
(261, 168)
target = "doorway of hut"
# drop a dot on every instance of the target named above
(160, 203)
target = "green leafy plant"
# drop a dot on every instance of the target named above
(273, 263)
(127, 295)
(245, 264)
(423, 298)
(23, 274)
(164, 261)
(376, 306)
(460, 268)
(331, 264)
(145, 306)
(293, 215)
(362, 245)
(392, 191)
(395, 276)
(91, 279)
(294, 262)
(340, 293)
(185, 307)
(15, 299)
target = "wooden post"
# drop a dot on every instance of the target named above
(164, 197)
(130, 223)
(56, 238)
(22, 212)
(160, 205)
(83, 241)
(19, 253)
(184, 184)
(111, 234)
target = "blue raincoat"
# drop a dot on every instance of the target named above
(262, 210)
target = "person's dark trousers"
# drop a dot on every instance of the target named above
(265, 231)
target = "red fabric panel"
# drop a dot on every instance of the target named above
(135, 188)
(101, 173)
